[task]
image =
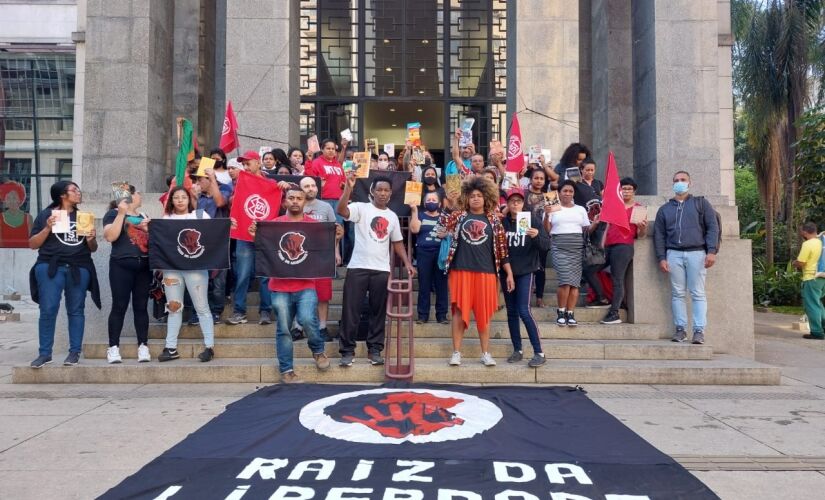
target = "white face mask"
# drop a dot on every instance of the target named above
(382, 165)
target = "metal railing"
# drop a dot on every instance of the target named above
(400, 340)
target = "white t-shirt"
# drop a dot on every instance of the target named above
(569, 220)
(191, 215)
(374, 230)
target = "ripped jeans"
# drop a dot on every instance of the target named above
(197, 282)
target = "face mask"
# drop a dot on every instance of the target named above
(429, 180)
(431, 206)
(680, 187)
(383, 164)
(427, 161)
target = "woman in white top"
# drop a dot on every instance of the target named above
(567, 244)
(180, 205)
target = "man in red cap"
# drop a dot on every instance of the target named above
(527, 242)
(244, 265)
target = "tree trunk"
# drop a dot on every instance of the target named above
(769, 220)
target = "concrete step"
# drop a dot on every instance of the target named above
(540, 314)
(550, 299)
(549, 284)
(722, 370)
(498, 330)
(429, 348)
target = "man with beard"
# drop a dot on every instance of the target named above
(295, 295)
(376, 226)
(321, 212)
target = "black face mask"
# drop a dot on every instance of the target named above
(430, 180)
(219, 164)
(427, 162)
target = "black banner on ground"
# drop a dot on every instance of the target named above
(189, 244)
(361, 192)
(434, 442)
(295, 249)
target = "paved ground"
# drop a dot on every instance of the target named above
(76, 441)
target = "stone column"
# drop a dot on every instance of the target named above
(726, 163)
(128, 95)
(262, 71)
(611, 88)
(548, 73)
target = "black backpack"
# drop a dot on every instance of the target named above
(701, 209)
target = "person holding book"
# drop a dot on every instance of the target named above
(64, 267)
(181, 205)
(527, 247)
(618, 250)
(424, 223)
(130, 277)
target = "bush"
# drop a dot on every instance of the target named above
(776, 285)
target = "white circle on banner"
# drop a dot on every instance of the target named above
(256, 207)
(450, 416)
(514, 148)
(225, 129)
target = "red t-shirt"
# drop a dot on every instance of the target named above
(332, 175)
(289, 285)
(617, 235)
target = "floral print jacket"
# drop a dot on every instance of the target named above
(452, 221)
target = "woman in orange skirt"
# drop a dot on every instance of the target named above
(477, 251)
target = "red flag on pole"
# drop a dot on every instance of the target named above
(256, 199)
(229, 133)
(515, 152)
(613, 209)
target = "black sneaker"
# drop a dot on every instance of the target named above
(612, 318)
(194, 320)
(326, 335)
(346, 360)
(216, 319)
(515, 357)
(808, 336)
(698, 337)
(375, 358)
(72, 359)
(168, 355)
(297, 334)
(40, 361)
(206, 355)
(680, 335)
(598, 304)
(420, 321)
(561, 317)
(537, 360)
(571, 319)
(444, 321)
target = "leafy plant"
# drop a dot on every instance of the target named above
(810, 159)
(774, 285)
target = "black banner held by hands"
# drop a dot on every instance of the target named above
(361, 192)
(189, 244)
(302, 250)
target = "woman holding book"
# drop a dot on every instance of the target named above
(618, 246)
(127, 230)
(424, 223)
(181, 205)
(64, 266)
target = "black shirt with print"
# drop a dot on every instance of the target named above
(475, 246)
(66, 247)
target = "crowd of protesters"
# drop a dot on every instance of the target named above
(468, 248)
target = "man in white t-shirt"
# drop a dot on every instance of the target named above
(376, 226)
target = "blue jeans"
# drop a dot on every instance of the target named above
(687, 274)
(429, 277)
(197, 282)
(50, 290)
(244, 270)
(518, 306)
(288, 305)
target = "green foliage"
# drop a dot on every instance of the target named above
(810, 161)
(758, 236)
(751, 213)
(773, 285)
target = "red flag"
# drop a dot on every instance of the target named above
(613, 209)
(229, 133)
(515, 153)
(256, 199)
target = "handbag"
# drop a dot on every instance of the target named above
(444, 252)
(593, 254)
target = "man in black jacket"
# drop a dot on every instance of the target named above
(686, 239)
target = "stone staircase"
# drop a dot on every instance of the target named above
(590, 353)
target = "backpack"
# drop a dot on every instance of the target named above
(701, 209)
(820, 266)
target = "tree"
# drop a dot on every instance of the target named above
(810, 159)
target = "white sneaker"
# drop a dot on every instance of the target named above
(113, 355)
(455, 359)
(143, 354)
(487, 359)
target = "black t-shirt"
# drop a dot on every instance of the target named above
(67, 247)
(475, 246)
(586, 192)
(132, 241)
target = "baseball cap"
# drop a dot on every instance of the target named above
(514, 191)
(250, 155)
(234, 163)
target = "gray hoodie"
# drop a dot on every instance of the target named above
(678, 227)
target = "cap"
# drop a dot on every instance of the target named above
(250, 155)
(514, 191)
(234, 163)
